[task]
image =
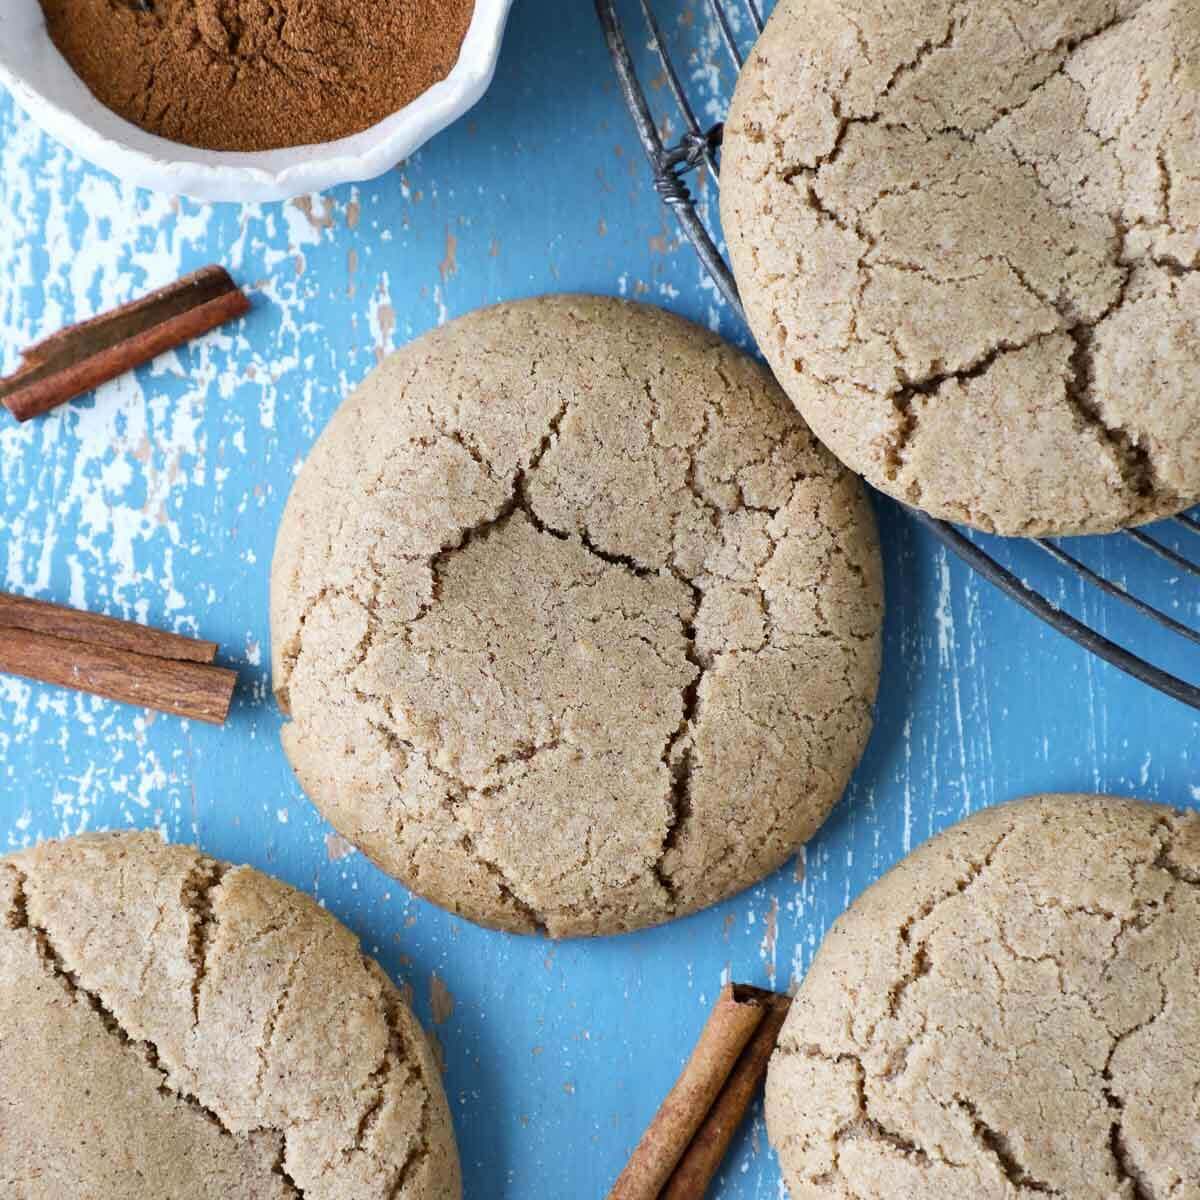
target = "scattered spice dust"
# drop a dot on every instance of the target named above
(441, 1002)
(257, 74)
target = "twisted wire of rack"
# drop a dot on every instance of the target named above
(698, 150)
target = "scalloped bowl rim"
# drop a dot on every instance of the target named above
(57, 100)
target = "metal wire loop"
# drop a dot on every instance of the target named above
(693, 149)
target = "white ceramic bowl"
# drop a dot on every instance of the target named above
(56, 98)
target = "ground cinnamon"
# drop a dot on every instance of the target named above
(257, 74)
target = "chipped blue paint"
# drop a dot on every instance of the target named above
(158, 500)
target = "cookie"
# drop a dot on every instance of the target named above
(966, 233)
(174, 1026)
(1013, 1011)
(577, 625)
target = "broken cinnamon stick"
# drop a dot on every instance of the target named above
(116, 659)
(707, 1150)
(739, 1012)
(81, 357)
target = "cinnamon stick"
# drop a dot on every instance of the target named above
(707, 1150)
(81, 357)
(40, 616)
(116, 659)
(737, 1015)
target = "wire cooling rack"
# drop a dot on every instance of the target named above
(690, 78)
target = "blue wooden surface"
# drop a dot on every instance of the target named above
(158, 500)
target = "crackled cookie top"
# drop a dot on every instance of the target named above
(577, 625)
(967, 233)
(174, 1026)
(1013, 1011)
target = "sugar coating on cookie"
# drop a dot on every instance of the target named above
(171, 1025)
(966, 233)
(577, 625)
(1013, 1011)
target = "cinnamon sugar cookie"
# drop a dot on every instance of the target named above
(172, 1026)
(1013, 1011)
(967, 233)
(577, 625)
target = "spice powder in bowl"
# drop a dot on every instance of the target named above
(255, 75)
